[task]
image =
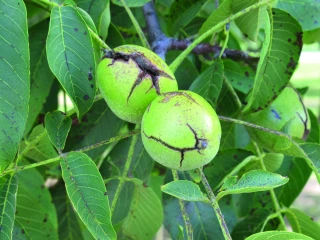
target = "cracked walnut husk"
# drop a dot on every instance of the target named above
(181, 130)
(130, 77)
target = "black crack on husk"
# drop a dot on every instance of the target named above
(146, 67)
(200, 143)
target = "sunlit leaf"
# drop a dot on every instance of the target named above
(14, 78)
(302, 223)
(306, 12)
(8, 193)
(57, 126)
(254, 181)
(185, 190)
(75, 72)
(209, 83)
(278, 60)
(278, 235)
(41, 77)
(88, 194)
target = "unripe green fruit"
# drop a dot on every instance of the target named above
(287, 114)
(130, 77)
(180, 130)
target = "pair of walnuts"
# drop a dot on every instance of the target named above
(179, 129)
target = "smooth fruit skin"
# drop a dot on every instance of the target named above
(286, 113)
(181, 130)
(126, 94)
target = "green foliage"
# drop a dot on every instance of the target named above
(15, 79)
(57, 126)
(87, 194)
(75, 72)
(86, 174)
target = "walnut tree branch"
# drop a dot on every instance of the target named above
(160, 43)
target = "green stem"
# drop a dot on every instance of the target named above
(136, 25)
(185, 216)
(175, 64)
(51, 160)
(272, 193)
(49, 3)
(225, 42)
(215, 205)
(125, 172)
(233, 93)
(98, 39)
(237, 121)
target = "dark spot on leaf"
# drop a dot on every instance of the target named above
(292, 64)
(235, 156)
(45, 219)
(246, 73)
(22, 231)
(86, 97)
(105, 194)
(91, 85)
(273, 13)
(145, 185)
(298, 42)
(240, 83)
(76, 29)
(85, 32)
(315, 21)
(246, 35)
(289, 40)
(42, 186)
(90, 77)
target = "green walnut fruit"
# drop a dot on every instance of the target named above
(130, 77)
(287, 114)
(180, 130)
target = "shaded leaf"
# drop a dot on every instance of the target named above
(254, 181)
(138, 208)
(223, 164)
(88, 194)
(250, 224)
(95, 8)
(239, 75)
(141, 164)
(302, 223)
(279, 57)
(202, 217)
(75, 71)
(209, 83)
(14, 78)
(306, 12)
(186, 16)
(41, 77)
(278, 235)
(314, 135)
(186, 73)
(57, 126)
(8, 191)
(34, 207)
(221, 13)
(249, 23)
(228, 103)
(38, 146)
(185, 190)
(94, 128)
